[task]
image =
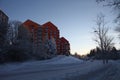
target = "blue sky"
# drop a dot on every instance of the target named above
(74, 18)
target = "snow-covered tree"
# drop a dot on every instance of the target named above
(24, 39)
(50, 46)
(19, 51)
(13, 31)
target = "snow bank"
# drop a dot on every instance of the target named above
(65, 60)
(47, 69)
(61, 59)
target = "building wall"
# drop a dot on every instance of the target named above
(24, 39)
(3, 28)
(3, 18)
(52, 31)
(64, 46)
(35, 34)
(33, 29)
(39, 34)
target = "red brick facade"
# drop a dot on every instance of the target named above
(64, 46)
(33, 28)
(49, 29)
(52, 31)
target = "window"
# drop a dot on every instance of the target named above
(50, 33)
(32, 28)
(0, 14)
(4, 19)
(46, 29)
(39, 30)
(0, 20)
(54, 33)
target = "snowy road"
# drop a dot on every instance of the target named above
(85, 70)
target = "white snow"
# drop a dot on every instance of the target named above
(61, 59)
(65, 60)
(61, 68)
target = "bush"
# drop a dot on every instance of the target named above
(13, 55)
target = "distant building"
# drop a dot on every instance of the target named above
(64, 46)
(24, 39)
(39, 34)
(3, 28)
(52, 31)
(3, 18)
(33, 29)
(35, 34)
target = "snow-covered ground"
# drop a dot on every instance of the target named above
(61, 68)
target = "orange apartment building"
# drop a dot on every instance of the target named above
(64, 46)
(38, 34)
(52, 31)
(35, 31)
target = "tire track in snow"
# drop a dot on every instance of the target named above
(113, 73)
(92, 75)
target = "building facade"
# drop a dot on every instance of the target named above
(39, 34)
(3, 28)
(3, 18)
(64, 46)
(52, 31)
(35, 31)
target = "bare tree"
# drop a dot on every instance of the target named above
(117, 29)
(115, 4)
(101, 35)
